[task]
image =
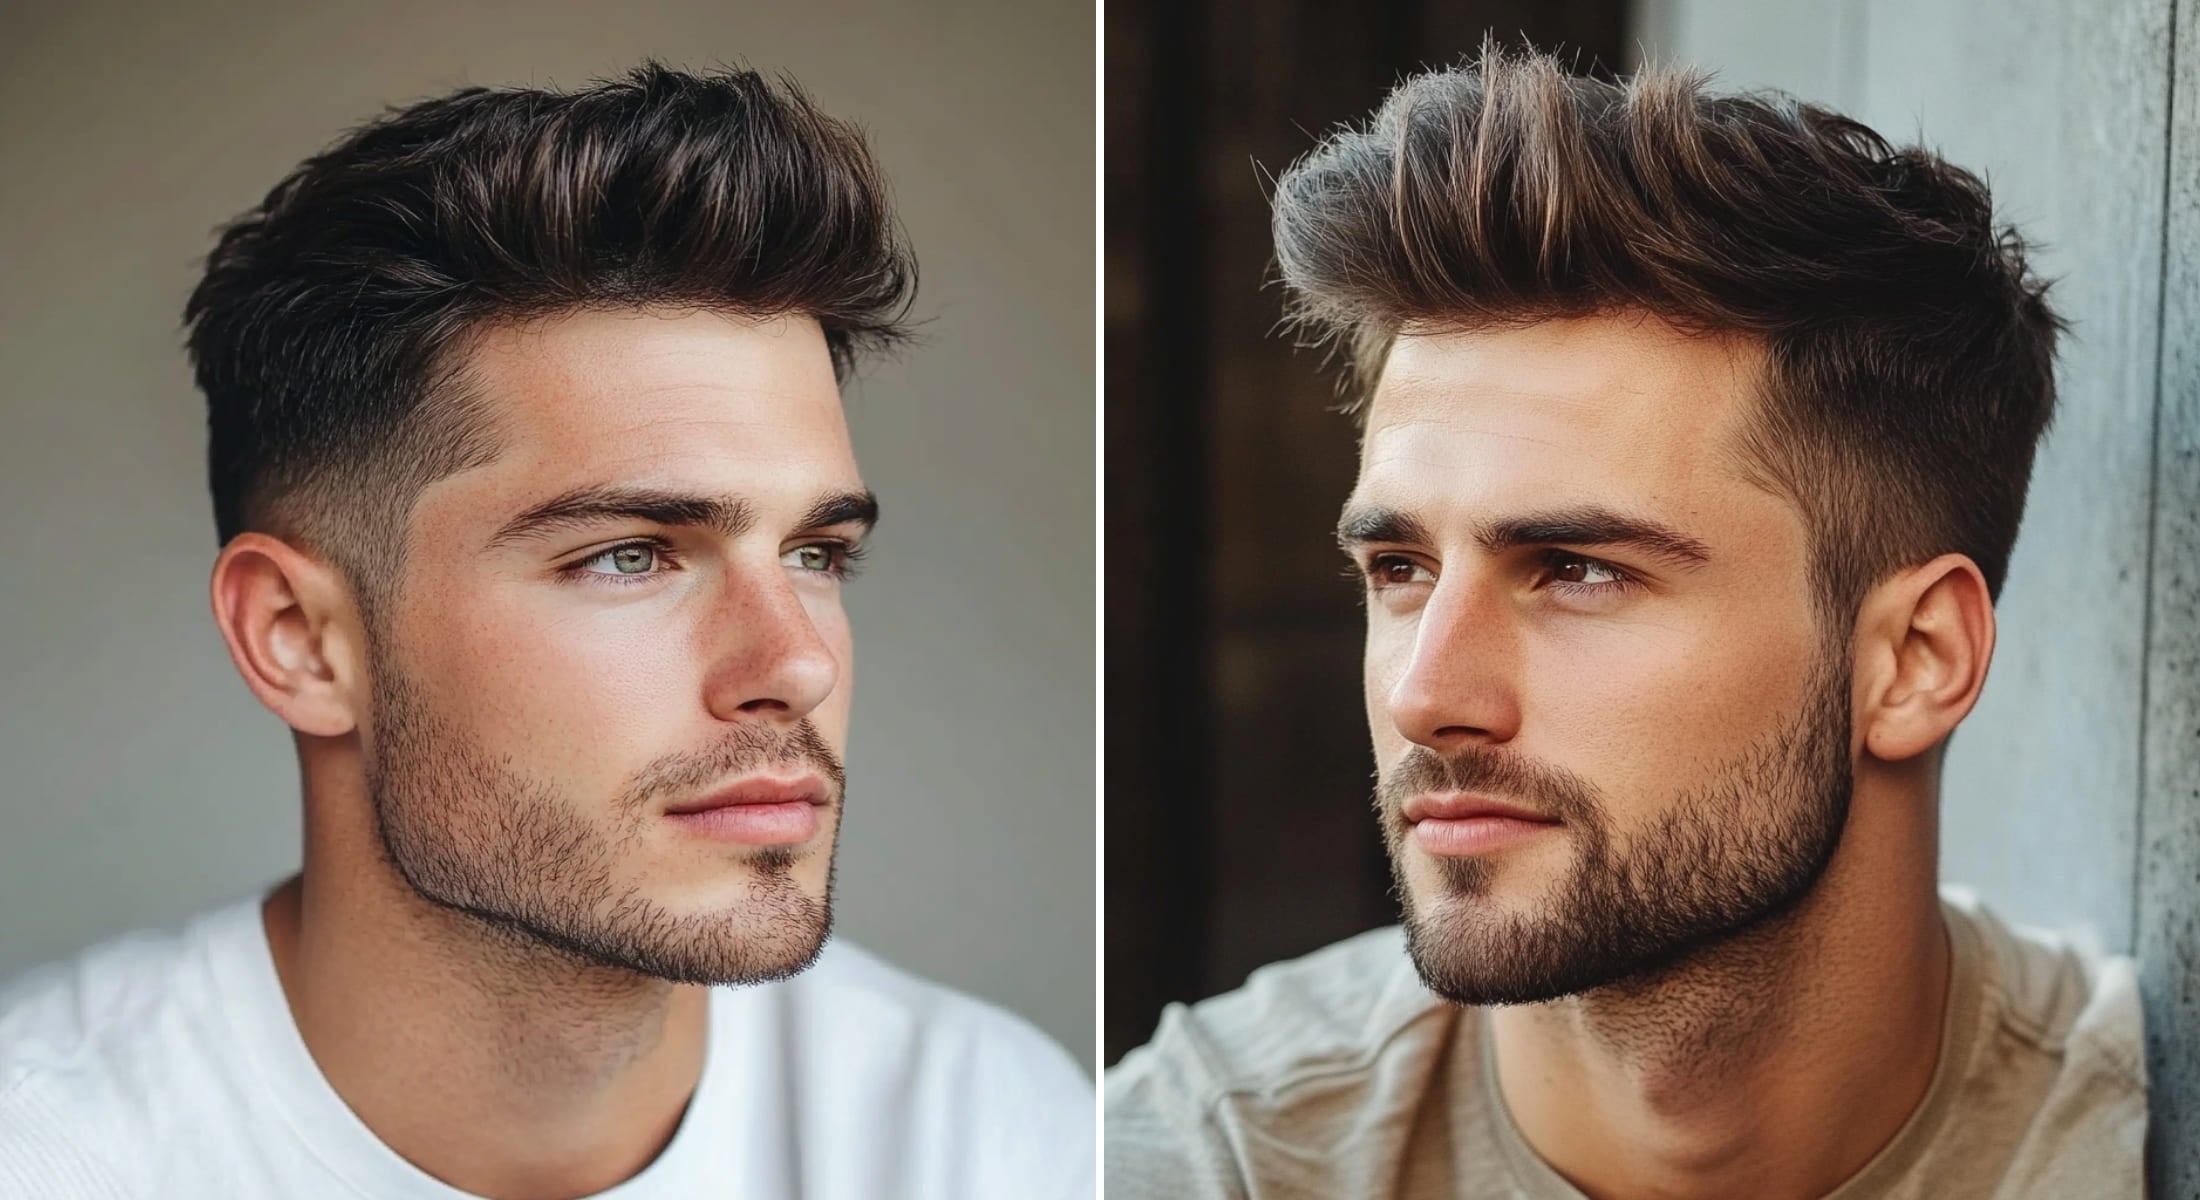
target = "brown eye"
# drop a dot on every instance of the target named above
(1575, 571)
(1391, 570)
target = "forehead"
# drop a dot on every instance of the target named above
(1607, 409)
(700, 398)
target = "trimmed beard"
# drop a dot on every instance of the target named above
(512, 853)
(1724, 857)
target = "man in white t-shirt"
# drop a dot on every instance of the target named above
(537, 503)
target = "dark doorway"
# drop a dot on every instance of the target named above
(1237, 768)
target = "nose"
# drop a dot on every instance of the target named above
(769, 660)
(1458, 681)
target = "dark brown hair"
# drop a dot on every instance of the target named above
(1909, 350)
(328, 332)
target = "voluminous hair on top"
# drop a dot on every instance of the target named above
(329, 330)
(1909, 349)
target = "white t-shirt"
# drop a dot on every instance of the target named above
(167, 1065)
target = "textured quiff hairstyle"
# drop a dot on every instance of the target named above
(1909, 351)
(332, 328)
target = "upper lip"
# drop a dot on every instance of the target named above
(1454, 806)
(807, 788)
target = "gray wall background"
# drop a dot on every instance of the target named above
(139, 780)
(2072, 797)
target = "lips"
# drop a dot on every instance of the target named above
(1453, 825)
(756, 812)
(1453, 806)
(806, 789)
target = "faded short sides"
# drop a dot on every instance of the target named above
(1909, 349)
(329, 330)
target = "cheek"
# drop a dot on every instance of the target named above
(1389, 647)
(563, 693)
(830, 621)
(1646, 712)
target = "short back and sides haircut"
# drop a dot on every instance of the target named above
(330, 332)
(1909, 349)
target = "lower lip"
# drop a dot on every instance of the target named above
(1475, 835)
(756, 824)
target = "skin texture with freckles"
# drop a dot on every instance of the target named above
(495, 949)
(571, 673)
(1731, 929)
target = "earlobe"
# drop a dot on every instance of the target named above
(1935, 629)
(282, 615)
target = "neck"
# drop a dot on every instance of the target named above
(499, 1065)
(1775, 1064)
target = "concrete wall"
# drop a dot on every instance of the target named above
(2169, 862)
(2073, 792)
(139, 780)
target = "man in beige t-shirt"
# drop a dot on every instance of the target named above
(1695, 441)
(1339, 1074)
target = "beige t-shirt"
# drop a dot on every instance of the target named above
(1340, 1075)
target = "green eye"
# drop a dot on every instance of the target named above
(636, 562)
(634, 558)
(810, 558)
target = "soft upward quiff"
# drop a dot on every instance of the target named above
(329, 332)
(1909, 351)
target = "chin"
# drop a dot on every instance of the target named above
(755, 933)
(729, 886)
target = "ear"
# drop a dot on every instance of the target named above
(1924, 639)
(293, 631)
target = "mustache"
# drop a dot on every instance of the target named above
(1487, 771)
(745, 748)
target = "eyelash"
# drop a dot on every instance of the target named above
(1621, 580)
(1366, 573)
(846, 557)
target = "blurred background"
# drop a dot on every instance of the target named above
(142, 781)
(1237, 760)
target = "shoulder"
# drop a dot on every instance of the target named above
(872, 1024)
(1304, 1045)
(2063, 1041)
(980, 1100)
(109, 1008)
(90, 1045)
(1337, 1009)
(2057, 992)
(906, 1018)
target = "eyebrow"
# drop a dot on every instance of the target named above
(1588, 525)
(1364, 524)
(726, 516)
(842, 508)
